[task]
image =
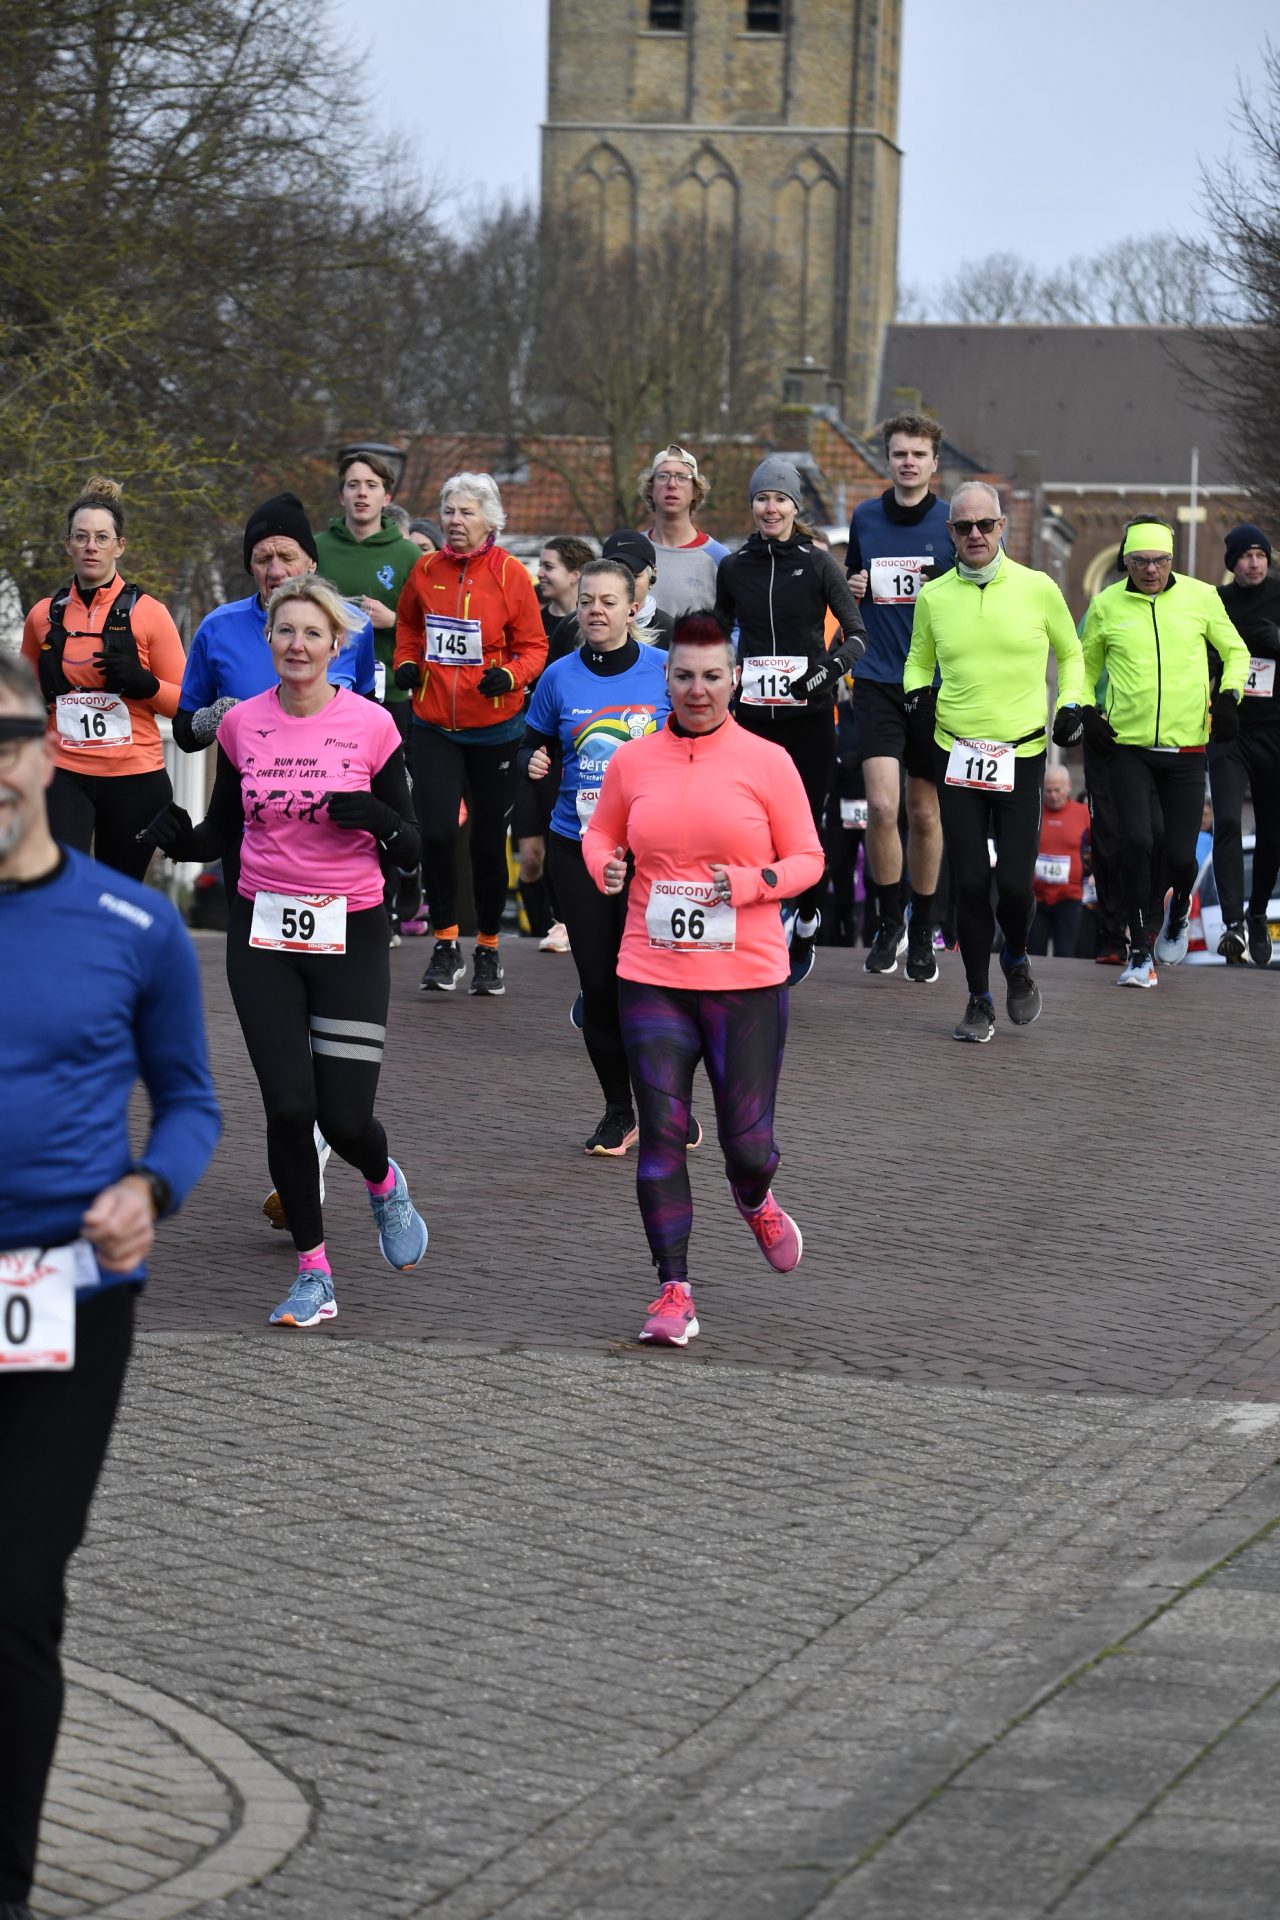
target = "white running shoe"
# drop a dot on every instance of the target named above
(1174, 936)
(1139, 971)
(556, 939)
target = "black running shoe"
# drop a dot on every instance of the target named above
(1259, 940)
(1234, 943)
(487, 976)
(887, 948)
(408, 903)
(444, 969)
(979, 1021)
(1024, 1003)
(922, 961)
(616, 1132)
(803, 954)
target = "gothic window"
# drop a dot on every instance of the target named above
(602, 192)
(666, 16)
(765, 16)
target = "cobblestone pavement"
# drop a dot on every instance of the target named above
(944, 1579)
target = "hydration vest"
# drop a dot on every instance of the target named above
(117, 635)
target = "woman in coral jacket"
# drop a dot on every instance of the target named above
(109, 660)
(469, 640)
(719, 829)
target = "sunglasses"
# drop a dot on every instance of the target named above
(962, 527)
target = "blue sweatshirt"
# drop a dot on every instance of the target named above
(102, 989)
(591, 711)
(901, 547)
(230, 656)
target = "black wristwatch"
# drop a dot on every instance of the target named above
(769, 877)
(161, 1191)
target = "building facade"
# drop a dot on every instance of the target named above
(764, 127)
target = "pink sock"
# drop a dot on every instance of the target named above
(317, 1261)
(381, 1188)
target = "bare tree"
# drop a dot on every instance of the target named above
(1152, 279)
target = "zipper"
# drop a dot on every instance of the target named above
(773, 632)
(1155, 625)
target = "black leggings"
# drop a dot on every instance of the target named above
(315, 1025)
(811, 742)
(104, 814)
(442, 764)
(1253, 758)
(739, 1037)
(54, 1429)
(1012, 820)
(595, 921)
(1146, 787)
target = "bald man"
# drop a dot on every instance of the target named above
(1059, 879)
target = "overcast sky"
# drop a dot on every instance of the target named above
(1043, 130)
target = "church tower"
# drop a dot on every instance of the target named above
(774, 121)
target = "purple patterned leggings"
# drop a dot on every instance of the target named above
(739, 1036)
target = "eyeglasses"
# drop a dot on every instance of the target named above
(9, 751)
(1151, 562)
(93, 539)
(681, 479)
(962, 527)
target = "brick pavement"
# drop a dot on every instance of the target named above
(1083, 1205)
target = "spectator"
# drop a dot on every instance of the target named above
(1059, 876)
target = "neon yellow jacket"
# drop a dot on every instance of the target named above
(992, 646)
(1153, 650)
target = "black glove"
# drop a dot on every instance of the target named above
(363, 812)
(921, 708)
(1098, 730)
(494, 681)
(167, 831)
(407, 675)
(822, 678)
(1068, 726)
(1226, 718)
(124, 674)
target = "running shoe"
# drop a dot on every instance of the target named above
(804, 953)
(444, 969)
(1023, 1003)
(402, 1231)
(693, 1137)
(777, 1235)
(887, 948)
(1110, 957)
(487, 977)
(979, 1021)
(415, 929)
(555, 940)
(1171, 943)
(1259, 940)
(310, 1302)
(672, 1321)
(575, 1014)
(616, 1132)
(395, 935)
(273, 1205)
(408, 898)
(789, 917)
(1139, 970)
(1233, 945)
(922, 965)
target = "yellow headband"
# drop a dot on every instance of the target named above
(1148, 536)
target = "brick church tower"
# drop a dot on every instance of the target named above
(773, 122)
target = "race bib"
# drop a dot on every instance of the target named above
(1261, 683)
(985, 764)
(767, 679)
(87, 719)
(300, 922)
(896, 581)
(453, 643)
(853, 813)
(1054, 869)
(686, 916)
(38, 1306)
(586, 798)
(379, 679)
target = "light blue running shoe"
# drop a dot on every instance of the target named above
(310, 1302)
(402, 1231)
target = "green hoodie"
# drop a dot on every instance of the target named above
(1157, 666)
(378, 567)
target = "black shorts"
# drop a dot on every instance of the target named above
(535, 802)
(880, 727)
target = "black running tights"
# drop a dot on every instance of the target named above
(1144, 787)
(1252, 760)
(1012, 820)
(811, 742)
(441, 765)
(595, 921)
(103, 814)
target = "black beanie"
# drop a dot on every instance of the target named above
(1239, 541)
(282, 514)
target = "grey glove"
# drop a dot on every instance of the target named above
(204, 721)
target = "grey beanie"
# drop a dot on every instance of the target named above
(776, 475)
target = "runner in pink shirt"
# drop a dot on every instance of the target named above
(311, 785)
(719, 830)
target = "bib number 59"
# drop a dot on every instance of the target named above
(296, 925)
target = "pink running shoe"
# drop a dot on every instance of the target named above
(777, 1235)
(672, 1321)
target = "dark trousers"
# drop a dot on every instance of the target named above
(103, 814)
(1061, 922)
(441, 765)
(54, 1429)
(1252, 760)
(1012, 820)
(1104, 842)
(595, 921)
(1149, 790)
(810, 739)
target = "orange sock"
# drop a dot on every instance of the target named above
(446, 933)
(487, 940)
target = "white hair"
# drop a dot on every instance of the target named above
(975, 486)
(483, 489)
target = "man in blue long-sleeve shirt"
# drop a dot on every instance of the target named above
(100, 990)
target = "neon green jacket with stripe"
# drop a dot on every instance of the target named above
(1153, 650)
(992, 646)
